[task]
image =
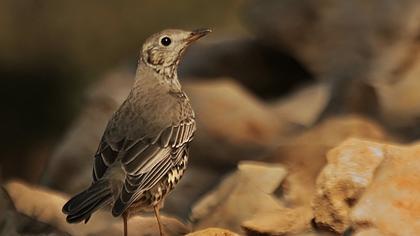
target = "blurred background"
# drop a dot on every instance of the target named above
(52, 51)
(271, 71)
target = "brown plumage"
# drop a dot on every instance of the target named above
(144, 149)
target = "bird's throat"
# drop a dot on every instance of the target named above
(165, 74)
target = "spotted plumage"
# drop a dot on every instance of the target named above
(143, 152)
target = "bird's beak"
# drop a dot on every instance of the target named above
(196, 34)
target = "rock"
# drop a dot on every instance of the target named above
(391, 202)
(45, 206)
(70, 167)
(232, 125)
(280, 222)
(304, 154)
(316, 32)
(14, 223)
(146, 226)
(400, 98)
(343, 180)
(369, 232)
(371, 187)
(240, 197)
(352, 54)
(213, 232)
(294, 108)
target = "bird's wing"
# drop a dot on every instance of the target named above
(105, 156)
(146, 161)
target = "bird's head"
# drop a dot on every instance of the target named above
(162, 51)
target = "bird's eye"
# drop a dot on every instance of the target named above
(165, 41)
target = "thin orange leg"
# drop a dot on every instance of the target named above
(125, 216)
(156, 208)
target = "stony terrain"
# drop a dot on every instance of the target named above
(320, 136)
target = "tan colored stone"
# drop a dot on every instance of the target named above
(233, 125)
(45, 206)
(318, 35)
(340, 184)
(296, 109)
(391, 203)
(369, 232)
(213, 232)
(280, 222)
(304, 154)
(400, 99)
(241, 196)
(145, 226)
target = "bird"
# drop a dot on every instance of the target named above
(144, 150)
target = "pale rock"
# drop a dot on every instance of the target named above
(280, 222)
(240, 197)
(213, 232)
(45, 206)
(391, 203)
(232, 124)
(379, 48)
(294, 108)
(371, 187)
(400, 100)
(304, 154)
(369, 232)
(326, 36)
(14, 223)
(343, 180)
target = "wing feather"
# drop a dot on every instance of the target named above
(146, 167)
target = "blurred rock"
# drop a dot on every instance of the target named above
(14, 223)
(69, 169)
(213, 232)
(145, 226)
(369, 232)
(241, 196)
(399, 96)
(295, 109)
(264, 70)
(45, 206)
(343, 180)
(391, 202)
(371, 187)
(280, 222)
(232, 125)
(326, 36)
(304, 154)
(350, 52)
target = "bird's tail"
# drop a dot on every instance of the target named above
(81, 206)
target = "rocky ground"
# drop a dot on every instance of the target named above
(320, 137)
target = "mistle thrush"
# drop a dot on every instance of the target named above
(144, 149)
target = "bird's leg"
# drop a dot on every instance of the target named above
(156, 208)
(125, 216)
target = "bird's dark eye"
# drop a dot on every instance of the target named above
(165, 41)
